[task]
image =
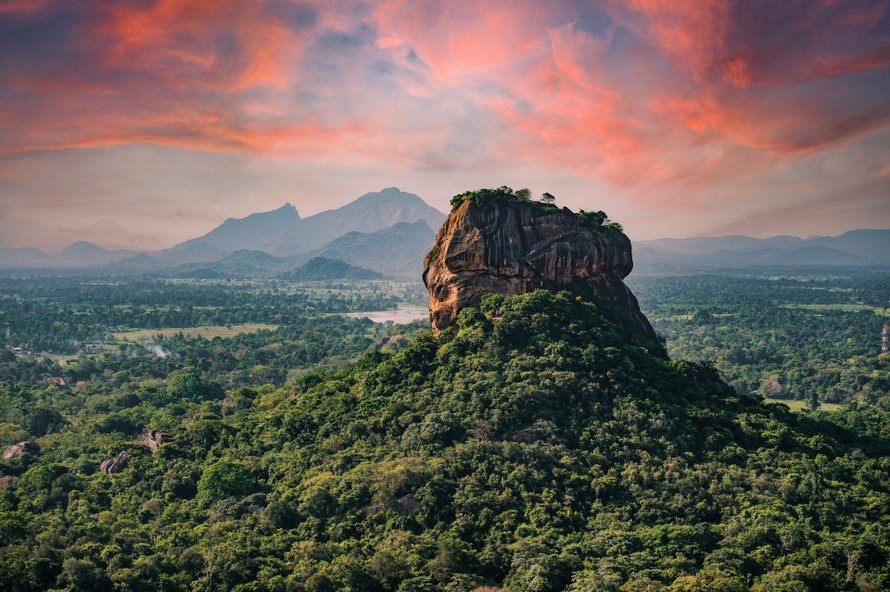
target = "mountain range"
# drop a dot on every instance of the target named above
(283, 233)
(853, 248)
(389, 231)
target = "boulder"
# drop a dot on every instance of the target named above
(154, 439)
(117, 464)
(16, 450)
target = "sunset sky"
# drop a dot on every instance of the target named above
(144, 123)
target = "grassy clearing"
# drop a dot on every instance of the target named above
(796, 405)
(208, 332)
(879, 310)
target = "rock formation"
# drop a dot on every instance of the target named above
(117, 464)
(16, 450)
(512, 247)
(154, 439)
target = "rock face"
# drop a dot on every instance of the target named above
(117, 464)
(513, 248)
(154, 439)
(16, 450)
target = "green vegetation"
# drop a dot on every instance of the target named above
(598, 219)
(788, 337)
(502, 195)
(60, 315)
(539, 451)
(325, 269)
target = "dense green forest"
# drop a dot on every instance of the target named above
(802, 334)
(543, 450)
(59, 314)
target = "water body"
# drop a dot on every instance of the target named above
(399, 316)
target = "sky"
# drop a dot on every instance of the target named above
(142, 123)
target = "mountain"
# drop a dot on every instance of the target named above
(244, 263)
(282, 232)
(369, 213)
(538, 449)
(24, 257)
(539, 446)
(79, 254)
(324, 269)
(396, 251)
(236, 234)
(853, 248)
(83, 253)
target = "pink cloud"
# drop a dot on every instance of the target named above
(646, 92)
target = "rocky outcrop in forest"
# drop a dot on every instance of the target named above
(512, 247)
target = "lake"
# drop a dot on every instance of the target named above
(399, 316)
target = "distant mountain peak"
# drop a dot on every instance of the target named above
(82, 247)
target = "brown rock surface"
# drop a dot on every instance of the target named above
(117, 464)
(16, 450)
(154, 439)
(515, 247)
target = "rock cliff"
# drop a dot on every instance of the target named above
(512, 247)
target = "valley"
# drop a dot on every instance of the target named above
(305, 430)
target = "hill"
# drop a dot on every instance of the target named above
(324, 269)
(79, 254)
(853, 248)
(396, 251)
(244, 263)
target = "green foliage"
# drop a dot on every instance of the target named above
(523, 194)
(224, 479)
(42, 421)
(186, 386)
(802, 336)
(598, 220)
(536, 448)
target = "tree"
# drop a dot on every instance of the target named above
(43, 421)
(524, 194)
(813, 401)
(225, 479)
(185, 386)
(548, 198)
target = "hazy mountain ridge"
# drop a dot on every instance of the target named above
(282, 232)
(281, 235)
(855, 247)
(367, 233)
(396, 251)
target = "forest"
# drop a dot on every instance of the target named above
(804, 334)
(539, 449)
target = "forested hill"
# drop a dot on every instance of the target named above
(536, 449)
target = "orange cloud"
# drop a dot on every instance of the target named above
(638, 92)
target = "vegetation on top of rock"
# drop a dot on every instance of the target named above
(504, 195)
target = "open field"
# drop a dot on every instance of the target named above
(878, 310)
(798, 405)
(208, 332)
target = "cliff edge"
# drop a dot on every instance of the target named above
(508, 246)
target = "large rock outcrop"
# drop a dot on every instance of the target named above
(24, 447)
(117, 464)
(516, 247)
